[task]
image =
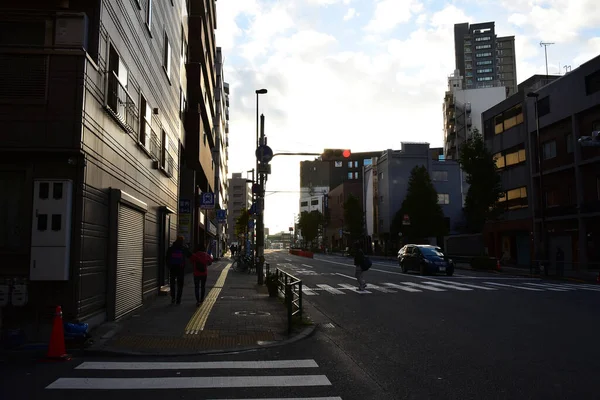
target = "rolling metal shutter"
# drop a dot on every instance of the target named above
(130, 261)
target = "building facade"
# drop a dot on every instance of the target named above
(386, 183)
(462, 112)
(89, 186)
(220, 152)
(505, 134)
(567, 186)
(198, 171)
(484, 59)
(337, 197)
(240, 198)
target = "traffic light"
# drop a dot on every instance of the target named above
(335, 154)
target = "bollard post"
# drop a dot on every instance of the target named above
(288, 301)
(300, 299)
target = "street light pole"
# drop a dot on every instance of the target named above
(257, 198)
(543, 235)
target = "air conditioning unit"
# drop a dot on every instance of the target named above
(71, 30)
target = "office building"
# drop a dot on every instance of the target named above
(336, 223)
(386, 184)
(91, 114)
(483, 58)
(240, 198)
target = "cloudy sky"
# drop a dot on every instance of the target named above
(367, 74)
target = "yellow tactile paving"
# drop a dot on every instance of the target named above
(198, 320)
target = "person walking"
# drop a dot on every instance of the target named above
(201, 261)
(176, 255)
(359, 259)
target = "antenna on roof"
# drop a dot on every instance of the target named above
(546, 44)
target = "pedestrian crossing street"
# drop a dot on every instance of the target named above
(215, 379)
(443, 286)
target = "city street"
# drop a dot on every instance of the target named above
(470, 336)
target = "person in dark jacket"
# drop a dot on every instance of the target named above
(359, 258)
(201, 261)
(176, 255)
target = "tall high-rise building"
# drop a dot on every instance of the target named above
(484, 59)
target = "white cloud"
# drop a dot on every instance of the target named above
(592, 49)
(350, 14)
(391, 13)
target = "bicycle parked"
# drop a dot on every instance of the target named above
(242, 263)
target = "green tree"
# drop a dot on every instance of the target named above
(353, 214)
(241, 223)
(485, 183)
(309, 224)
(421, 205)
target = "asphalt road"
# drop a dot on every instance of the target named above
(480, 336)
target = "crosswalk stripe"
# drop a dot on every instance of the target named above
(379, 288)
(473, 286)
(447, 286)
(189, 382)
(405, 288)
(514, 286)
(432, 288)
(576, 286)
(99, 365)
(353, 288)
(553, 289)
(330, 289)
(308, 291)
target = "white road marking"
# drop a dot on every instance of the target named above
(346, 276)
(196, 382)
(513, 286)
(307, 266)
(353, 288)
(381, 289)
(432, 288)
(330, 289)
(308, 291)
(448, 286)
(575, 286)
(405, 288)
(275, 364)
(288, 259)
(554, 289)
(472, 286)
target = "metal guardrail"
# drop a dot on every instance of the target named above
(291, 288)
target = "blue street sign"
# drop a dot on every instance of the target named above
(253, 209)
(222, 215)
(185, 206)
(264, 154)
(251, 224)
(207, 201)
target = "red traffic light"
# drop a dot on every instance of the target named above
(335, 154)
(346, 153)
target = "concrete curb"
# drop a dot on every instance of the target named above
(306, 332)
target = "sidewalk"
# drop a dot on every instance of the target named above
(236, 314)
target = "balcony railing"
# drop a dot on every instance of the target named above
(154, 145)
(120, 104)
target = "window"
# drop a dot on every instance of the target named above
(304, 204)
(149, 17)
(509, 118)
(483, 38)
(184, 47)
(314, 202)
(380, 175)
(167, 57)
(355, 164)
(484, 62)
(443, 198)
(592, 83)
(500, 161)
(182, 103)
(145, 122)
(356, 175)
(338, 164)
(485, 70)
(484, 54)
(569, 140)
(549, 150)
(552, 198)
(514, 199)
(164, 150)
(350, 175)
(440, 176)
(483, 46)
(349, 164)
(367, 161)
(484, 78)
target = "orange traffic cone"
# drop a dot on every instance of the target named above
(56, 347)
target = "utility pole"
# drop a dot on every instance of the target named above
(260, 209)
(546, 44)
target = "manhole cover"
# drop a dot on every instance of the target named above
(232, 297)
(252, 313)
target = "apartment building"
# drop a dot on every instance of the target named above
(91, 114)
(240, 198)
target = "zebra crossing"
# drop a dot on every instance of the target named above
(209, 379)
(445, 286)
